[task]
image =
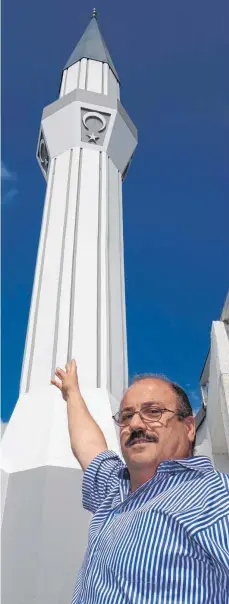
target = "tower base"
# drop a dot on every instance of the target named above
(44, 526)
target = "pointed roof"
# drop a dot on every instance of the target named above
(92, 46)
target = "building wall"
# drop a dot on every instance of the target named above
(213, 433)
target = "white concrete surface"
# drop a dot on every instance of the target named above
(77, 311)
(83, 72)
(218, 394)
(94, 76)
(90, 75)
(213, 434)
(72, 75)
(39, 432)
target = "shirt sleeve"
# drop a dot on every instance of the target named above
(100, 477)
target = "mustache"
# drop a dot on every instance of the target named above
(137, 434)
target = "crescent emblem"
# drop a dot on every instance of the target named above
(98, 116)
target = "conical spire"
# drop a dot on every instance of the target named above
(92, 46)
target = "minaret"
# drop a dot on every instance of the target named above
(85, 145)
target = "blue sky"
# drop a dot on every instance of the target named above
(172, 59)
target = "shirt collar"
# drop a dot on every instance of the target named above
(198, 463)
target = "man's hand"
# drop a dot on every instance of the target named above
(86, 437)
(68, 383)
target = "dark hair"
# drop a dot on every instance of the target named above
(184, 405)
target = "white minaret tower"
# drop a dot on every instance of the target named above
(77, 310)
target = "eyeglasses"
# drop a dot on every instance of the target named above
(148, 413)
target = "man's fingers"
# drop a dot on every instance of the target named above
(68, 367)
(56, 383)
(60, 373)
(73, 366)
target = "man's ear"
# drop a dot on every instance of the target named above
(191, 428)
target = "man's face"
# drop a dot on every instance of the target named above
(168, 437)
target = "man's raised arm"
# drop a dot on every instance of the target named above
(87, 439)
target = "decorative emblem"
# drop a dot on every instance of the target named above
(92, 137)
(42, 154)
(94, 125)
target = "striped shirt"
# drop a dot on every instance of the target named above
(165, 543)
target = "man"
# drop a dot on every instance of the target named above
(160, 530)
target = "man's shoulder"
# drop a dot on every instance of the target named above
(106, 466)
(101, 479)
(205, 466)
(208, 475)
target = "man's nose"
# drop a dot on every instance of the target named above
(136, 421)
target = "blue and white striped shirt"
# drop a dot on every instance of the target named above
(166, 543)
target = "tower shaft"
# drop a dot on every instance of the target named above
(78, 305)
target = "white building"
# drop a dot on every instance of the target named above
(212, 420)
(77, 310)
